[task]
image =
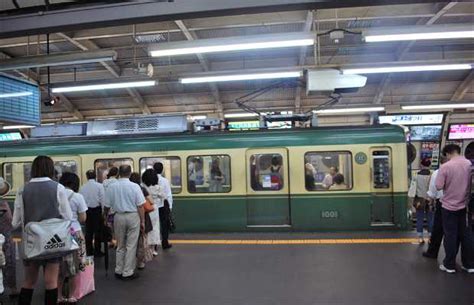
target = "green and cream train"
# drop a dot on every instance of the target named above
(320, 179)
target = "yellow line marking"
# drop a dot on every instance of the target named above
(295, 241)
(340, 241)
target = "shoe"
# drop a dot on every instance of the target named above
(468, 270)
(167, 246)
(155, 253)
(131, 277)
(118, 276)
(429, 255)
(99, 254)
(421, 241)
(141, 266)
(443, 268)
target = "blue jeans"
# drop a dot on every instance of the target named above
(420, 217)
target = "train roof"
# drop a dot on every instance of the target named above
(379, 134)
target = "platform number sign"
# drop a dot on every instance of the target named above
(360, 158)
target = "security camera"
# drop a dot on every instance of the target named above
(51, 101)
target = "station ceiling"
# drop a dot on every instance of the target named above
(131, 41)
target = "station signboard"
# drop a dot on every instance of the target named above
(412, 119)
(461, 131)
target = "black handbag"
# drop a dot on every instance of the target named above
(107, 234)
(171, 224)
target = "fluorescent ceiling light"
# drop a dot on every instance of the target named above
(104, 86)
(236, 77)
(349, 110)
(438, 106)
(240, 115)
(253, 42)
(418, 68)
(15, 94)
(17, 127)
(198, 117)
(420, 36)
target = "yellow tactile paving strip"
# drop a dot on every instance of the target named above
(359, 241)
(295, 241)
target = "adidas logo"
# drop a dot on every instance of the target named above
(55, 242)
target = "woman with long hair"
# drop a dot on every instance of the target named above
(41, 199)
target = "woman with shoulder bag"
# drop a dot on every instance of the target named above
(157, 193)
(41, 199)
(421, 200)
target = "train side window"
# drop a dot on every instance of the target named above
(102, 166)
(172, 170)
(17, 174)
(65, 167)
(328, 171)
(209, 174)
(267, 172)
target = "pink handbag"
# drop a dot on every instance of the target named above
(84, 283)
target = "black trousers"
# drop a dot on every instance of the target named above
(93, 230)
(164, 213)
(456, 233)
(437, 231)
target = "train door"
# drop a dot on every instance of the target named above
(268, 195)
(382, 209)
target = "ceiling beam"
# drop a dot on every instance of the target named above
(302, 59)
(134, 12)
(87, 45)
(463, 88)
(405, 48)
(205, 65)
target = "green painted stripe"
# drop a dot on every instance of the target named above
(296, 196)
(384, 134)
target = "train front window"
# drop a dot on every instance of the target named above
(209, 174)
(102, 166)
(267, 172)
(171, 170)
(328, 171)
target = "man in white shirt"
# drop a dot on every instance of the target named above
(165, 206)
(328, 179)
(127, 200)
(93, 193)
(437, 231)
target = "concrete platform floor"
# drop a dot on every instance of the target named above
(261, 274)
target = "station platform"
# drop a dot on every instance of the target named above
(286, 268)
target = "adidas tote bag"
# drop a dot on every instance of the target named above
(49, 238)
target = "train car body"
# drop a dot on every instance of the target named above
(257, 180)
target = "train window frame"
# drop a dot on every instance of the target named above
(332, 151)
(213, 155)
(4, 164)
(285, 172)
(181, 185)
(95, 161)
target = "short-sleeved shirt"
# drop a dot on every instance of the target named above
(124, 196)
(78, 205)
(93, 193)
(454, 178)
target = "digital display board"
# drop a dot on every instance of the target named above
(19, 101)
(461, 131)
(425, 133)
(10, 136)
(412, 119)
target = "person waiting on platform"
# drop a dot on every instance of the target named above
(164, 206)
(93, 193)
(421, 200)
(328, 179)
(75, 262)
(454, 179)
(9, 270)
(437, 229)
(309, 173)
(41, 199)
(157, 196)
(338, 183)
(127, 200)
(216, 178)
(112, 176)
